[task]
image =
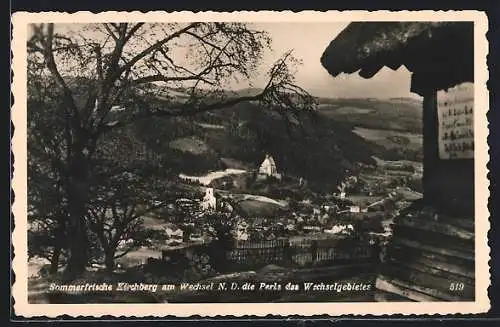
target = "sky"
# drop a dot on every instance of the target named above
(308, 41)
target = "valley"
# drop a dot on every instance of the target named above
(340, 187)
(341, 176)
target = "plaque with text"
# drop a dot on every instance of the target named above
(456, 125)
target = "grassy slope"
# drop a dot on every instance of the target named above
(395, 124)
(393, 114)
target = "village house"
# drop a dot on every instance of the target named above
(339, 229)
(311, 228)
(173, 234)
(197, 237)
(354, 209)
(440, 57)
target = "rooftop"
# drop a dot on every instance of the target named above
(439, 52)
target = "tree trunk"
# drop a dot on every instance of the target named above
(58, 245)
(219, 256)
(109, 260)
(54, 261)
(78, 246)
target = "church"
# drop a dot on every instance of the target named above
(268, 169)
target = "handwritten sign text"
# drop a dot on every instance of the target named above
(456, 125)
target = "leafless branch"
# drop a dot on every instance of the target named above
(154, 47)
(133, 30)
(110, 32)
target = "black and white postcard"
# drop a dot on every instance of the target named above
(250, 163)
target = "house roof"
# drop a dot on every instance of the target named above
(439, 52)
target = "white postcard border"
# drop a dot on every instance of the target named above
(20, 20)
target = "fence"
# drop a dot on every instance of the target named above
(305, 252)
(261, 252)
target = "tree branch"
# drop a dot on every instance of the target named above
(110, 32)
(124, 253)
(52, 66)
(166, 79)
(99, 71)
(133, 30)
(154, 47)
(186, 110)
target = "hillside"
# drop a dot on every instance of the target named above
(321, 146)
(319, 150)
(398, 114)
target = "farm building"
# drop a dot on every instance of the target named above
(433, 240)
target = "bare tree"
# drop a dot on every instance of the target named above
(140, 67)
(117, 208)
(47, 201)
(46, 218)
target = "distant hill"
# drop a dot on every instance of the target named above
(416, 101)
(249, 91)
(398, 114)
